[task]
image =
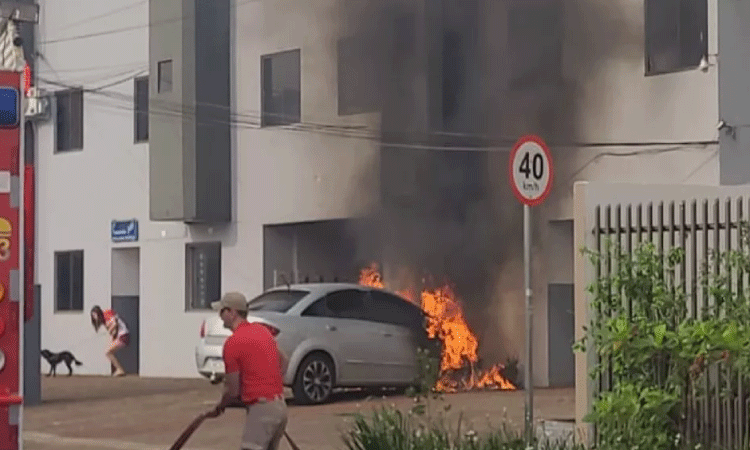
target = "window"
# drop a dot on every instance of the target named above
(69, 281)
(280, 88)
(164, 76)
(676, 35)
(388, 308)
(277, 301)
(357, 77)
(535, 32)
(69, 125)
(203, 274)
(140, 97)
(343, 304)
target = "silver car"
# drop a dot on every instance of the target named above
(334, 334)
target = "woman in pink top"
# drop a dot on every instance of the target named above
(118, 331)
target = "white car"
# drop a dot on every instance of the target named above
(334, 334)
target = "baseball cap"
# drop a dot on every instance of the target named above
(231, 300)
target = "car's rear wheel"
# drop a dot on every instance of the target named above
(313, 383)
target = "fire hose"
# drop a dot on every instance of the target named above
(183, 438)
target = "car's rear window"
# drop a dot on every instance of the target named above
(278, 301)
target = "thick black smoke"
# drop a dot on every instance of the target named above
(468, 74)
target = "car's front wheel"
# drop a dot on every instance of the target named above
(313, 382)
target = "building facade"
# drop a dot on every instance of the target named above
(197, 147)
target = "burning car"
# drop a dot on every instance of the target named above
(334, 334)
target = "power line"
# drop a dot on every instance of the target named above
(95, 68)
(130, 28)
(252, 119)
(103, 15)
(126, 103)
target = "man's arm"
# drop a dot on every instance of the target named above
(231, 392)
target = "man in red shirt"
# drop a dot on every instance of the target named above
(253, 375)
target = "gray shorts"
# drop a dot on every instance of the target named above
(264, 425)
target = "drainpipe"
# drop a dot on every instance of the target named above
(295, 262)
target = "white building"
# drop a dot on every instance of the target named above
(221, 193)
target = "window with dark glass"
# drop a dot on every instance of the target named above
(676, 35)
(203, 274)
(69, 280)
(164, 76)
(280, 88)
(69, 120)
(141, 109)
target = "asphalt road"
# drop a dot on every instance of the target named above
(102, 413)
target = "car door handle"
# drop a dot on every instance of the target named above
(330, 328)
(386, 334)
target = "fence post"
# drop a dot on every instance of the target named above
(584, 386)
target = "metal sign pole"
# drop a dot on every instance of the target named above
(530, 173)
(528, 383)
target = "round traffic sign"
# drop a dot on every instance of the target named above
(530, 170)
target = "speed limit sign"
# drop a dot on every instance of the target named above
(530, 170)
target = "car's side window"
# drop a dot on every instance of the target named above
(382, 309)
(347, 304)
(317, 309)
(390, 309)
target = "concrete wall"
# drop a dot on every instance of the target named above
(190, 148)
(278, 175)
(734, 95)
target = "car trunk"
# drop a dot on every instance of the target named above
(216, 332)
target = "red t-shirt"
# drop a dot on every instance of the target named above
(252, 351)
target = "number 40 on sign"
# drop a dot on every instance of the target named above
(530, 170)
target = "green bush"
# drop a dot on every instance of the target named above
(425, 426)
(652, 352)
(390, 429)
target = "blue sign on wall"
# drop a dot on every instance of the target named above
(125, 230)
(9, 107)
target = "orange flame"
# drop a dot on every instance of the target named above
(447, 323)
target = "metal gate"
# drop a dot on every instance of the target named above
(697, 219)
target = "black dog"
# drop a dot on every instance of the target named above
(56, 358)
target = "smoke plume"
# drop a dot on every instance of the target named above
(471, 74)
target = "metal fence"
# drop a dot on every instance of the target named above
(699, 227)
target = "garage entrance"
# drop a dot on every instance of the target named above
(316, 251)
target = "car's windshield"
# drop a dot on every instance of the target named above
(278, 301)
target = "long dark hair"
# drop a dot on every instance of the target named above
(97, 317)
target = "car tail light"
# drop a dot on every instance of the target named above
(203, 329)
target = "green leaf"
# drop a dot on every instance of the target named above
(659, 333)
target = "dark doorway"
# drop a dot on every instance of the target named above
(126, 303)
(561, 324)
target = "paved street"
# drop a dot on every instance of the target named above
(101, 413)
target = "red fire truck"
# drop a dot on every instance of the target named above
(11, 258)
(16, 223)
